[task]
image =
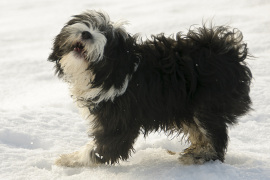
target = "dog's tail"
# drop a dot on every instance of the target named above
(219, 54)
(220, 40)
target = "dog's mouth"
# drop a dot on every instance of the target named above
(80, 50)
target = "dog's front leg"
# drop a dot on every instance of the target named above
(108, 147)
(114, 145)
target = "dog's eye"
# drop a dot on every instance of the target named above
(86, 35)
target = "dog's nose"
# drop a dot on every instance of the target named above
(86, 35)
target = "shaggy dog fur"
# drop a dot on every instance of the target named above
(196, 84)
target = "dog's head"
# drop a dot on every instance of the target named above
(83, 40)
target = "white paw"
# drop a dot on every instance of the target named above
(78, 158)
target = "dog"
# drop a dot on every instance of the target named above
(195, 85)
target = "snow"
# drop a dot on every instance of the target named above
(38, 120)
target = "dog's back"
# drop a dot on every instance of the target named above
(204, 70)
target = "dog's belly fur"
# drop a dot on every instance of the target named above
(196, 84)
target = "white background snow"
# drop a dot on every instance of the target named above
(38, 120)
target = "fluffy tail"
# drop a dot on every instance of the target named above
(220, 40)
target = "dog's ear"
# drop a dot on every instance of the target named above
(119, 61)
(56, 50)
(56, 55)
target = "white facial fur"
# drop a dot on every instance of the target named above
(94, 47)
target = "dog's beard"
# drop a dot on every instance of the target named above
(73, 65)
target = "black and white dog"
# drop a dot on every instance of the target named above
(195, 84)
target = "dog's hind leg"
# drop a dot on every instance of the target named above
(208, 142)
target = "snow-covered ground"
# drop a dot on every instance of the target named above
(38, 120)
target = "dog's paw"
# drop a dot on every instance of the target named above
(197, 155)
(190, 158)
(78, 158)
(194, 158)
(69, 160)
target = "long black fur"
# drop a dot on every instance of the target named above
(199, 75)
